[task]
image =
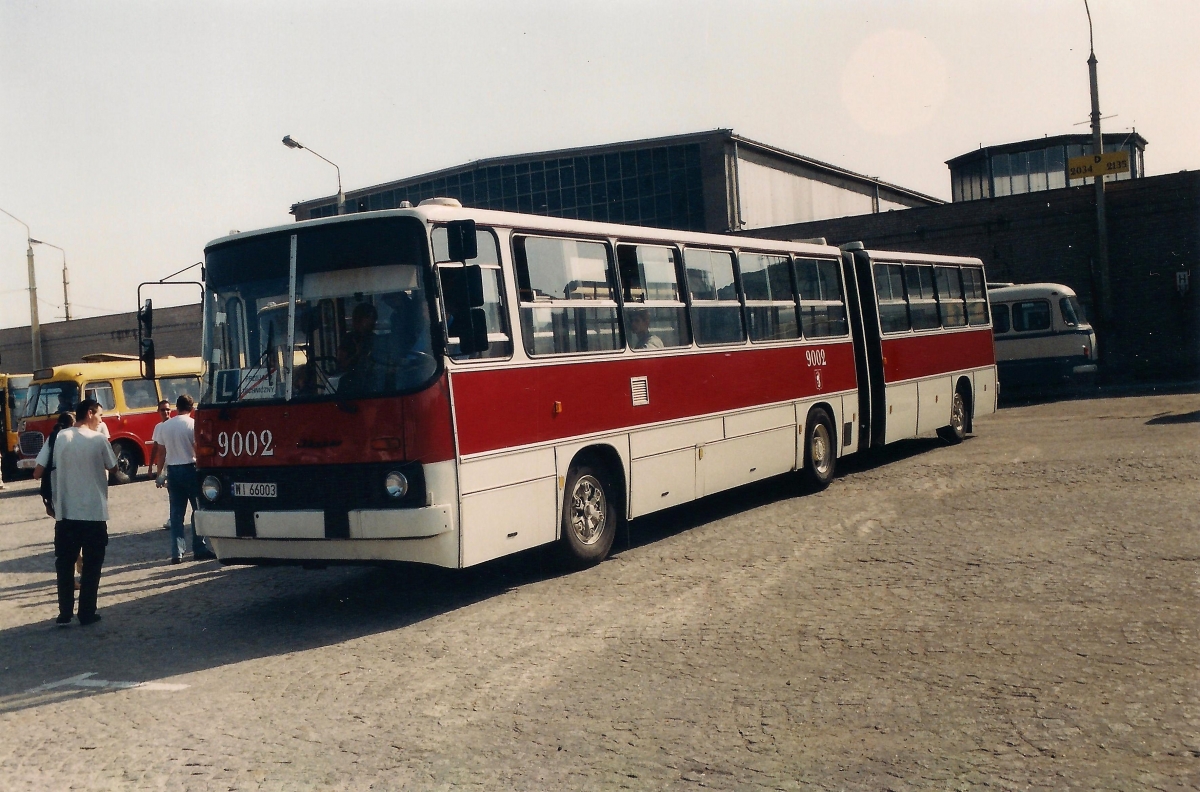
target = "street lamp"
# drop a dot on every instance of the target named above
(1106, 312)
(66, 298)
(341, 197)
(35, 328)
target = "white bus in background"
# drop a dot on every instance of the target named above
(1043, 338)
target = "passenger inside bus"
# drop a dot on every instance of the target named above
(640, 336)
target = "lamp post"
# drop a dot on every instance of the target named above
(35, 328)
(66, 297)
(341, 197)
(1098, 150)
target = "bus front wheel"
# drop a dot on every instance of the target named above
(589, 518)
(820, 449)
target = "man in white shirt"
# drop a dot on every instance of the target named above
(79, 483)
(177, 440)
(156, 450)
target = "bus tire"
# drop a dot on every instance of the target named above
(820, 449)
(127, 464)
(956, 432)
(589, 515)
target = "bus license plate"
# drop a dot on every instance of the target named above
(253, 490)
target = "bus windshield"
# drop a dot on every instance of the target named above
(51, 398)
(18, 391)
(359, 325)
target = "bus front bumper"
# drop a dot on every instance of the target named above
(423, 535)
(419, 523)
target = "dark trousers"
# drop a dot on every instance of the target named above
(70, 537)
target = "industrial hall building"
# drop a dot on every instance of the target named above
(714, 181)
(1016, 208)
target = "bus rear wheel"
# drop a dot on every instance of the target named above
(589, 517)
(820, 449)
(956, 432)
(127, 464)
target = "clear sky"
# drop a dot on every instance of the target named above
(132, 133)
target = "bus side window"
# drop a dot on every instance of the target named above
(1031, 315)
(139, 394)
(654, 312)
(1000, 318)
(977, 306)
(922, 301)
(770, 297)
(716, 308)
(101, 392)
(889, 290)
(822, 307)
(950, 296)
(494, 308)
(174, 387)
(568, 296)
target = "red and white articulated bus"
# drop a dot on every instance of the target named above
(447, 385)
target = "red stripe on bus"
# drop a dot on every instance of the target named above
(502, 408)
(918, 355)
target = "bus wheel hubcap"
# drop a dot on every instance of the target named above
(588, 510)
(957, 413)
(820, 448)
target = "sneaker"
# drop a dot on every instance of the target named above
(176, 560)
(204, 556)
(167, 525)
(63, 619)
(86, 620)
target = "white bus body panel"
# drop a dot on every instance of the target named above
(508, 519)
(901, 422)
(662, 480)
(934, 400)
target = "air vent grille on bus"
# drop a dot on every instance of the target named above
(640, 387)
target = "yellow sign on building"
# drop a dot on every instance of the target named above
(1109, 164)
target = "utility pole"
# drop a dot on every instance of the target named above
(1101, 221)
(35, 328)
(66, 296)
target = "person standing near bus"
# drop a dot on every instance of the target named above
(79, 483)
(178, 458)
(156, 450)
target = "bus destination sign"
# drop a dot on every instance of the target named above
(1109, 164)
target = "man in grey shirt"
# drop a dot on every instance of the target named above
(79, 480)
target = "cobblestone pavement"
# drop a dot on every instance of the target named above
(1016, 612)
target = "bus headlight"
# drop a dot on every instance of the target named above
(396, 484)
(211, 488)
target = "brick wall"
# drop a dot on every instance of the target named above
(176, 332)
(1154, 232)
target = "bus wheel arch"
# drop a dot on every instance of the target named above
(593, 505)
(129, 459)
(820, 447)
(960, 414)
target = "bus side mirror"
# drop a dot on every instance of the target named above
(461, 243)
(463, 292)
(474, 337)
